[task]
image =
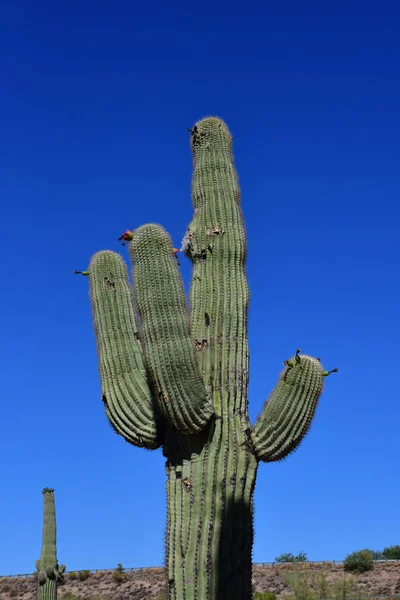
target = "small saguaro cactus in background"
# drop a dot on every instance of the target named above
(178, 379)
(50, 574)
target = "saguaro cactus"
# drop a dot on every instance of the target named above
(179, 379)
(49, 572)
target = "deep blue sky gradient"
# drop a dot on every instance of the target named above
(95, 102)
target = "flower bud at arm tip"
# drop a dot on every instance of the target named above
(326, 373)
(127, 236)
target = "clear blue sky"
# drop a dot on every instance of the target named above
(95, 102)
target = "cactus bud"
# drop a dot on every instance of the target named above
(127, 236)
(175, 251)
(326, 373)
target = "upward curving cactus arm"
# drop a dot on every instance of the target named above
(287, 414)
(159, 296)
(126, 392)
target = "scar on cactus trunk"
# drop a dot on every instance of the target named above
(178, 378)
(50, 574)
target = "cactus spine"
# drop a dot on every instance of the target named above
(179, 380)
(50, 574)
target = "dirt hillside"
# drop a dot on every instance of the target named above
(148, 584)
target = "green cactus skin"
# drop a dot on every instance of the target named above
(50, 574)
(180, 380)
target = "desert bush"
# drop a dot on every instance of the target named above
(391, 553)
(71, 596)
(289, 557)
(161, 596)
(83, 575)
(118, 577)
(359, 561)
(343, 590)
(298, 581)
(264, 596)
(316, 586)
(72, 575)
(376, 554)
(322, 585)
(118, 574)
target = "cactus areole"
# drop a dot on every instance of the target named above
(178, 378)
(50, 573)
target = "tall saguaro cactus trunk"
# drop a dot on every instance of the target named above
(50, 574)
(179, 379)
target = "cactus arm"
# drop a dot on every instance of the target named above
(126, 393)
(169, 350)
(287, 414)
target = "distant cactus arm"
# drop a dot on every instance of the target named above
(169, 350)
(126, 393)
(286, 416)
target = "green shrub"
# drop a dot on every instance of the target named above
(83, 575)
(161, 596)
(359, 561)
(264, 596)
(300, 586)
(391, 553)
(71, 596)
(298, 581)
(376, 554)
(315, 586)
(342, 590)
(289, 557)
(118, 574)
(322, 585)
(118, 577)
(72, 575)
